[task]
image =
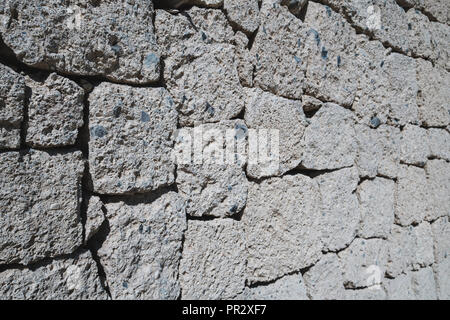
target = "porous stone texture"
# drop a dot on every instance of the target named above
(94, 217)
(218, 186)
(55, 112)
(131, 138)
(377, 200)
(243, 14)
(329, 141)
(433, 95)
(281, 224)
(40, 200)
(219, 149)
(63, 279)
(142, 252)
(267, 111)
(339, 210)
(324, 280)
(201, 66)
(82, 37)
(364, 263)
(213, 263)
(441, 245)
(12, 102)
(378, 151)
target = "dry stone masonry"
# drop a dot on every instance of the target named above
(106, 106)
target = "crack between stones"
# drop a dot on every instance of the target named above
(369, 34)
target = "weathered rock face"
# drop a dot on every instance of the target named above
(217, 186)
(224, 149)
(201, 65)
(143, 249)
(82, 37)
(269, 112)
(329, 141)
(40, 200)
(213, 263)
(281, 224)
(62, 279)
(12, 102)
(94, 217)
(55, 112)
(131, 138)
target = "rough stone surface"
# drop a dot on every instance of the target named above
(433, 96)
(201, 66)
(324, 280)
(322, 171)
(142, 252)
(94, 217)
(55, 112)
(441, 245)
(412, 195)
(243, 13)
(364, 262)
(377, 207)
(82, 37)
(282, 74)
(281, 222)
(266, 111)
(329, 141)
(436, 139)
(287, 288)
(410, 248)
(69, 278)
(378, 151)
(213, 188)
(372, 293)
(12, 101)
(414, 147)
(213, 264)
(340, 213)
(131, 138)
(40, 201)
(438, 175)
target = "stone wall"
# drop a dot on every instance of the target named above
(94, 96)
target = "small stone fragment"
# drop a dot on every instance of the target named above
(243, 13)
(55, 112)
(213, 263)
(94, 217)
